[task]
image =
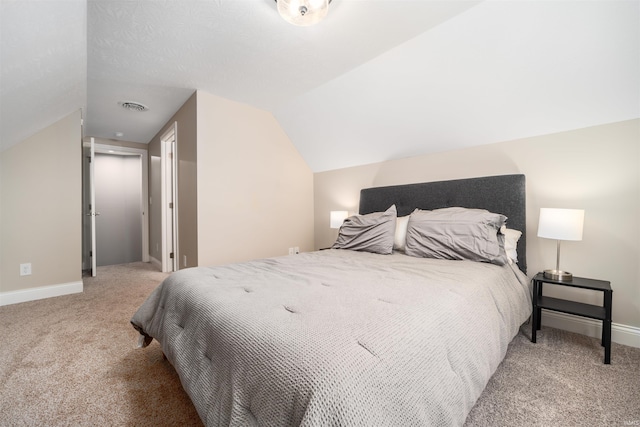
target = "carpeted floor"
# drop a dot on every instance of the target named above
(561, 381)
(73, 361)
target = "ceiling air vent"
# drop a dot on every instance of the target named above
(133, 106)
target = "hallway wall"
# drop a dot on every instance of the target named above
(118, 199)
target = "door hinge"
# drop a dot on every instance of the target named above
(171, 205)
(171, 255)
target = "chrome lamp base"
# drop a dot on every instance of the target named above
(559, 275)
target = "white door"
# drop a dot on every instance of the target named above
(89, 209)
(92, 190)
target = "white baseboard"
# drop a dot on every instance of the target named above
(155, 262)
(41, 292)
(621, 334)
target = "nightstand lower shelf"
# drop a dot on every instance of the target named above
(572, 307)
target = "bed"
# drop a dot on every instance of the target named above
(345, 337)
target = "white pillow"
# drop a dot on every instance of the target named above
(511, 238)
(400, 238)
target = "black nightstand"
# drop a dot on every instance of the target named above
(577, 308)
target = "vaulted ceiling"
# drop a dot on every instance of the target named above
(376, 80)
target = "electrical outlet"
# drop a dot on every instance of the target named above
(25, 269)
(292, 251)
(184, 261)
(296, 250)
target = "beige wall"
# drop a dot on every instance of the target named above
(41, 208)
(596, 169)
(255, 192)
(187, 201)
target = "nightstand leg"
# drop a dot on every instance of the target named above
(606, 327)
(535, 314)
(539, 314)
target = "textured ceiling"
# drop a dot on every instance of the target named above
(238, 49)
(376, 80)
(43, 65)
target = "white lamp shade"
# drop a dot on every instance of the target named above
(337, 218)
(303, 12)
(561, 224)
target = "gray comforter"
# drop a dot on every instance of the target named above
(337, 338)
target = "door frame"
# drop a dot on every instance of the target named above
(169, 195)
(144, 183)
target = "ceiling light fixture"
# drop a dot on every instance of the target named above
(133, 106)
(303, 12)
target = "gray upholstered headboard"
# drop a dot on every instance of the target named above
(504, 194)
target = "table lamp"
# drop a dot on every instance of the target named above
(560, 224)
(336, 218)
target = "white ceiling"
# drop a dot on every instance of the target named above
(43, 65)
(376, 80)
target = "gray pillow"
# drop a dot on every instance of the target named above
(373, 232)
(457, 234)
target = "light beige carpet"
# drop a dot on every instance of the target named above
(561, 381)
(73, 361)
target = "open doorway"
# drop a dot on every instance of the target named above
(118, 200)
(120, 211)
